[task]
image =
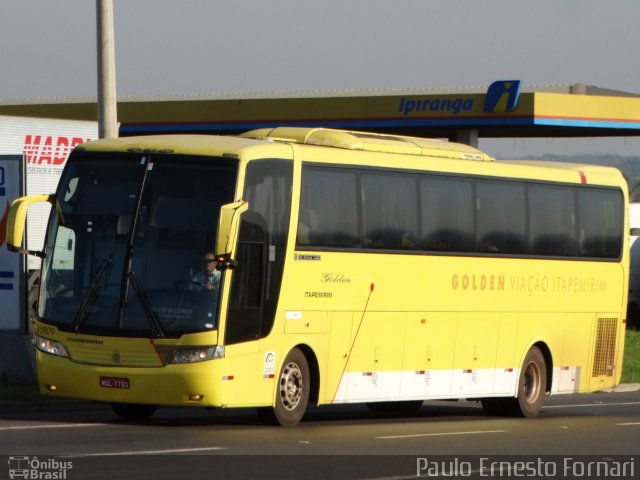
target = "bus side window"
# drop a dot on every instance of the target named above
(600, 223)
(307, 226)
(328, 208)
(247, 287)
(447, 214)
(552, 221)
(389, 211)
(501, 218)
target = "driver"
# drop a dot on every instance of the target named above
(209, 277)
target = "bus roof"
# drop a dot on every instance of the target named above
(277, 140)
(349, 140)
(589, 173)
(178, 144)
(366, 141)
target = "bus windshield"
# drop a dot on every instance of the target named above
(128, 242)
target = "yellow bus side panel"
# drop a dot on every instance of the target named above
(466, 326)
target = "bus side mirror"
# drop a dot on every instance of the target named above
(17, 219)
(227, 235)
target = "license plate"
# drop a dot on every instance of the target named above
(114, 382)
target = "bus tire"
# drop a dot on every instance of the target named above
(532, 385)
(292, 392)
(133, 411)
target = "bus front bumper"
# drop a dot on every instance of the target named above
(186, 384)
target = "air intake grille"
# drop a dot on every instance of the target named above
(603, 362)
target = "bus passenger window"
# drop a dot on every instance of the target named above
(552, 217)
(447, 214)
(389, 212)
(601, 217)
(328, 209)
(501, 218)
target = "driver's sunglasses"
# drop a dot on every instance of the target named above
(210, 260)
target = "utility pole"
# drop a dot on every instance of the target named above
(107, 104)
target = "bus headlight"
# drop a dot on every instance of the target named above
(51, 347)
(197, 354)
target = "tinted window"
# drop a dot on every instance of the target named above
(262, 247)
(328, 209)
(134, 234)
(600, 213)
(412, 211)
(501, 218)
(552, 221)
(389, 211)
(447, 214)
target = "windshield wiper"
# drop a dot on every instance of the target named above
(156, 327)
(97, 284)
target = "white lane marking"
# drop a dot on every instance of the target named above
(442, 434)
(628, 424)
(144, 452)
(591, 405)
(57, 425)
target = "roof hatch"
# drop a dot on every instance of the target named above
(372, 142)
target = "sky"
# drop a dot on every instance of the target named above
(169, 47)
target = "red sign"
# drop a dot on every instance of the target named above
(114, 382)
(49, 149)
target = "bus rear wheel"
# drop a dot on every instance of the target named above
(133, 411)
(292, 395)
(532, 385)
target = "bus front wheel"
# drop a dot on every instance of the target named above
(292, 393)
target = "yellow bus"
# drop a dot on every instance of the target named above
(345, 267)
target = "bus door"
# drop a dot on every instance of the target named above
(256, 281)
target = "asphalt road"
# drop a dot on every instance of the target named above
(89, 441)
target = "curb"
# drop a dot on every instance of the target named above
(624, 387)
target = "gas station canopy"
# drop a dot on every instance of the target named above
(504, 109)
